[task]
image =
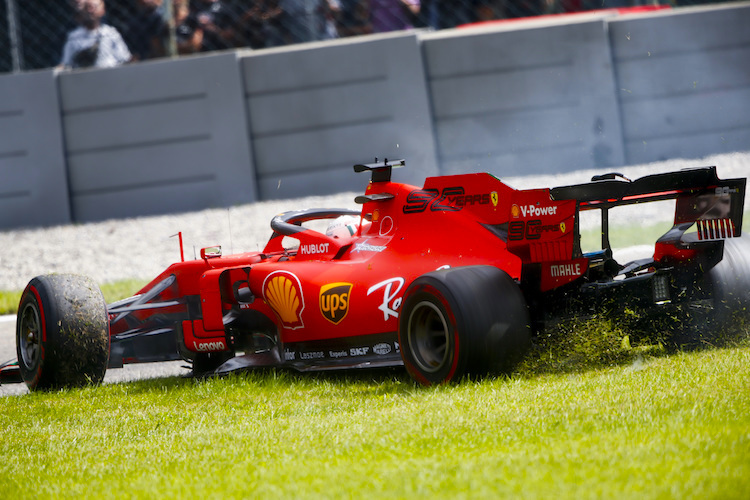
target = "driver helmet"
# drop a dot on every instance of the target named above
(344, 226)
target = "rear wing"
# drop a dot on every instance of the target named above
(713, 204)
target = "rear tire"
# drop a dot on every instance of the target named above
(729, 282)
(62, 333)
(730, 279)
(462, 322)
(726, 293)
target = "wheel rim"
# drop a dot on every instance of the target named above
(29, 337)
(428, 337)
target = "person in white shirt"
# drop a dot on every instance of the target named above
(93, 43)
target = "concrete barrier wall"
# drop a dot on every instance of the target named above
(683, 81)
(531, 97)
(33, 182)
(156, 137)
(540, 96)
(317, 110)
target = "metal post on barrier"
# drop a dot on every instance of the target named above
(309, 13)
(169, 14)
(14, 34)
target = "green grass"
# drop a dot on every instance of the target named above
(121, 289)
(624, 236)
(112, 292)
(590, 414)
(659, 427)
(9, 301)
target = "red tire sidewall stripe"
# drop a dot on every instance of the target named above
(41, 314)
(450, 317)
(413, 371)
(43, 343)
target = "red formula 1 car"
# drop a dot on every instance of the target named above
(449, 279)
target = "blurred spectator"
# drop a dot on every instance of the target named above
(489, 10)
(146, 31)
(442, 14)
(262, 24)
(392, 15)
(294, 21)
(524, 8)
(324, 24)
(354, 18)
(305, 20)
(210, 25)
(180, 11)
(93, 43)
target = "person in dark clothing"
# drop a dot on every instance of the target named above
(211, 25)
(146, 31)
(262, 24)
(354, 18)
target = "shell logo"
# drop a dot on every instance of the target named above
(515, 211)
(283, 293)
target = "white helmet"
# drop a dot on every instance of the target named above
(344, 226)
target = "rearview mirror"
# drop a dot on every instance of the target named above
(211, 252)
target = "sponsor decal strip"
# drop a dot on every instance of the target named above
(450, 199)
(366, 247)
(345, 350)
(532, 211)
(312, 248)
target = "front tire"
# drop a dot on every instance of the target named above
(62, 332)
(463, 321)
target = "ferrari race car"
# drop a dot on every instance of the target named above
(449, 279)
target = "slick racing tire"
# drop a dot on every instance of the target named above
(730, 282)
(466, 321)
(62, 333)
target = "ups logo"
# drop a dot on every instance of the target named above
(334, 301)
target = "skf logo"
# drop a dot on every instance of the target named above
(515, 211)
(494, 198)
(334, 301)
(283, 293)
